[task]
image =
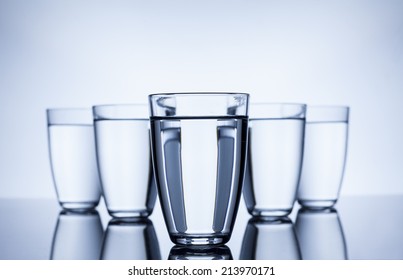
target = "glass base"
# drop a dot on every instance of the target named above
(317, 204)
(129, 214)
(270, 213)
(78, 206)
(198, 240)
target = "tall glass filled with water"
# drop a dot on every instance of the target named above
(325, 153)
(276, 141)
(73, 158)
(124, 159)
(199, 143)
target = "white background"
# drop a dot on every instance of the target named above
(81, 53)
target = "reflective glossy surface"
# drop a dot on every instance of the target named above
(207, 252)
(267, 239)
(360, 227)
(77, 236)
(321, 235)
(131, 239)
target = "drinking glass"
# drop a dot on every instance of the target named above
(320, 235)
(130, 239)
(199, 145)
(73, 158)
(270, 240)
(124, 159)
(325, 152)
(276, 140)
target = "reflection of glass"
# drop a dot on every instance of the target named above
(199, 148)
(276, 139)
(320, 235)
(324, 156)
(78, 236)
(124, 159)
(200, 253)
(73, 158)
(130, 240)
(270, 240)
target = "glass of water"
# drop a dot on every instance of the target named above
(73, 158)
(276, 140)
(199, 143)
(325, 152)
(124, 159)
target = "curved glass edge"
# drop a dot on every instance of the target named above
(199, 104)
(69, 116)
(267, 111)
(121, 112)
(327, 113)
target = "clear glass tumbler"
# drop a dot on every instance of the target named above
(124, 159)
(326, 133)
(73, 158)
(199, 143)
(276, 141)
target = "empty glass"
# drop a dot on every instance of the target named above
(276, 139)
(199, 147)
(78, 236)
(270, 240)
(130, 240)
(124, 159)
(73, 158)
(325, 151)
(320, 235)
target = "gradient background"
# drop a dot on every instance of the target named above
(80, 53)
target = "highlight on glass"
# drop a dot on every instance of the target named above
(199, 143)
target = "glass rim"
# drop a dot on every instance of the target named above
(65, 109)
(198, 104)
(197, 93)
(69, 116)
(277, 104)
(119, 105)
(99, 107)
(341, 107)
(327, 113)
(295, 111)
